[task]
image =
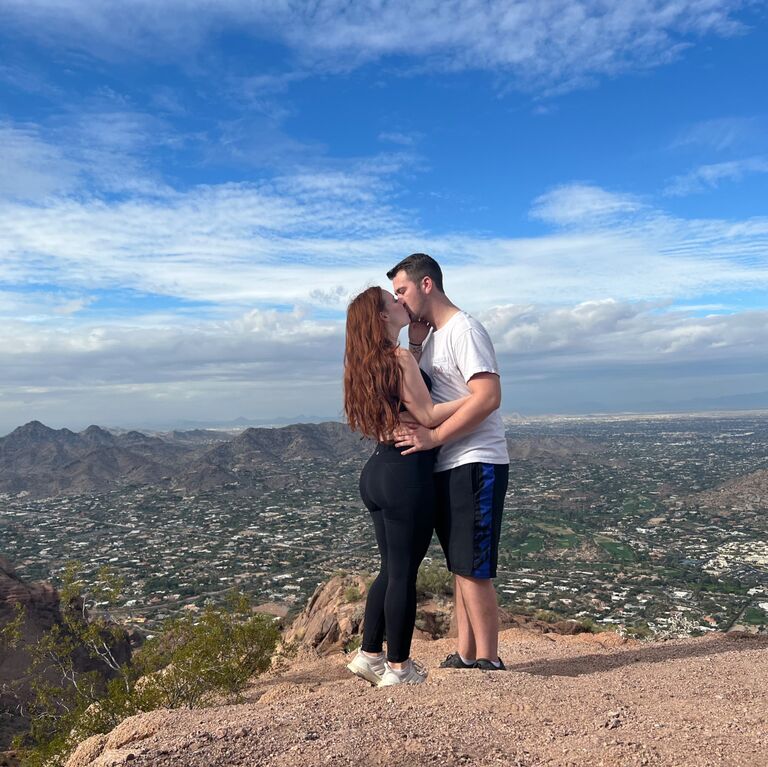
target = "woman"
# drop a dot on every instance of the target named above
(381, 380)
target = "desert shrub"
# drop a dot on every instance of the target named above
(590, 625)
(353, 644)
(63, 695)
(352, 594)
(547, 616)
(433, 580)
(195, 659)
(637, 631)
(191, 662)
(10, 631)
(678, 626)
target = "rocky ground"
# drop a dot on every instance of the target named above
(566, 700)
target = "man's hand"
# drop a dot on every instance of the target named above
(418, 330)
(415, 437)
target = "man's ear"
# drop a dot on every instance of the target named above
(426, 284)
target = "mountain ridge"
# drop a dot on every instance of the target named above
(38, 461)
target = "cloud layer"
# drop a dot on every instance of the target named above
(158, 260)
(264, 363)
(547, 43)
(597, 292)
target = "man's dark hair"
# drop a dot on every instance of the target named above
(417, 266)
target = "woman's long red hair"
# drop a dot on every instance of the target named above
(372, 374)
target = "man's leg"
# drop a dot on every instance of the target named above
(472, 504)
(480, 614)
(466, 640)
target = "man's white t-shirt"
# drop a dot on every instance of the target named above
(451, 356)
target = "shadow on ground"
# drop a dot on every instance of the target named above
(598, 664)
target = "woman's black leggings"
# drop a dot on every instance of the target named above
(399, 492)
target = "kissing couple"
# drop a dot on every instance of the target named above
(440, 464)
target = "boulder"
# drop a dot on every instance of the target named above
(333, 616)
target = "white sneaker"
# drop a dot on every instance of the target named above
(413, 673)
(370, 669)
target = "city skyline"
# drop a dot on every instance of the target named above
(190, 195)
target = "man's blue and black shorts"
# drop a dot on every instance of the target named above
(470, 502)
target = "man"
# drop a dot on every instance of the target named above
(472, 467)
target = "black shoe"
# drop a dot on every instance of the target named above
(486, 665)
(454, 661)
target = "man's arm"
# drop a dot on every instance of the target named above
(484, 398)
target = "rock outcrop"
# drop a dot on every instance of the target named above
(333, 616)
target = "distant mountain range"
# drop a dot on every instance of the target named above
(41, 462)
(44, 462)
(234, 424)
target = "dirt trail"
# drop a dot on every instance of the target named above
(564, 701)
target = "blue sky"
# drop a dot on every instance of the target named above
(190, 194)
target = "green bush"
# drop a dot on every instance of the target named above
(10, 631)
(590, 625)
(196, 659)
(433, 580)
(353, 644)
(638, 631)
(191, 662)
(352, 594)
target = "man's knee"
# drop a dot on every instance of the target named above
(468, 580)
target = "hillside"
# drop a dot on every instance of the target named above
(566, 701)
(745, 493)
(43, 462)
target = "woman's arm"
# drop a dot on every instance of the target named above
(415, 395)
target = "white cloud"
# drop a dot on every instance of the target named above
(40, 306)
(555, 43)
(619, 333)
(398, 137)
(582, 205)
(707, 177)
(268, 362)
(259, 345)
(721, 134)
(597, 289)
(103, 152)
(31, 167)
(281, 242)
